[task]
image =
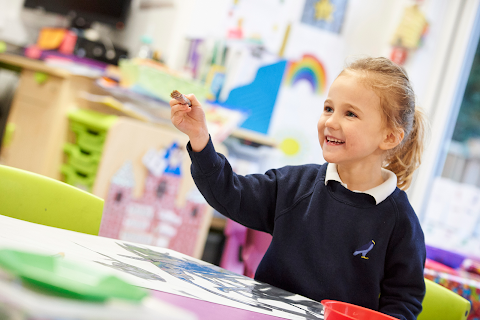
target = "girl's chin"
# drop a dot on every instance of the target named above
(329, 159)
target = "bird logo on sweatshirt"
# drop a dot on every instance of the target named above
(363, 250)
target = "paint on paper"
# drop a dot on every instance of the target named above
(309, 69)
(220, 282)
(159, 269)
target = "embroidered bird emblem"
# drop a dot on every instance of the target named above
(365, 249)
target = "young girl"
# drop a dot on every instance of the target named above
(343, 230)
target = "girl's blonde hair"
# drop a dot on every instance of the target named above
(397, 100)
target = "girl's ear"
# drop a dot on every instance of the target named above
(392, 139)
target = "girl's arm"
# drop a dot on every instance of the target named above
(249, 200)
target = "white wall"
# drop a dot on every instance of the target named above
(165, 24)
(11, 27)
(452, 59)
(438, 69)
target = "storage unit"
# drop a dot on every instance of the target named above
(89, 129)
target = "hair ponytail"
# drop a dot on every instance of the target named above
(406, 158)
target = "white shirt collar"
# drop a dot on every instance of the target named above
(380, 192)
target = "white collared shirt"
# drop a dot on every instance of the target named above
(380, 192)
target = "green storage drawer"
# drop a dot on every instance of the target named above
(90, 128)
(82, 159)
(77, 178)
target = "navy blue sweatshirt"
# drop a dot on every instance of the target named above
(328, 242)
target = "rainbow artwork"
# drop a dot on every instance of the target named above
(310, 69)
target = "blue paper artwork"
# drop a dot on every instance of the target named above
(325, 14)
(215, 280)
(258, 98)
(173, 156)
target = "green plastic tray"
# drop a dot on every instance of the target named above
(56, 275)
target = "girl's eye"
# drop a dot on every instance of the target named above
(351, 114)
(328, 109)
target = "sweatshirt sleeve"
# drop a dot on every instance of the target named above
(249, 200)
(403, 286)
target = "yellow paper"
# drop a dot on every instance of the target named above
(411, 28)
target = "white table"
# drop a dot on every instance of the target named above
(207, 290)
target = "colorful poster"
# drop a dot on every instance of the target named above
(325, 14)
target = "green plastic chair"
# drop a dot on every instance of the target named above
(441, 303)
(35, 198)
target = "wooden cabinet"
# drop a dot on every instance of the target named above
(39, 115)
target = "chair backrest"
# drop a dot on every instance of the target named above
(235, 235)
(256, 244)
(35, 198)
(244, 248)
(441, 303)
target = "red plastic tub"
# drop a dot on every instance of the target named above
(337, 310)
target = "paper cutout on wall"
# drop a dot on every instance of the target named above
(324, 14)
(258, 22)
(258, 98)
(293, 145)
(310, 69)
(412, 29)
(290, 146)
(324, 10)
(154, 218)
(215, 80)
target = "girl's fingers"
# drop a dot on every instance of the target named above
(173, 102)
(178, 112)
(180, 107)
(193, 100)
(177, 117)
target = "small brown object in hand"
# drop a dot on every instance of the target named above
(180, 98)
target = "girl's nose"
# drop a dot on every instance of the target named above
(332, 122)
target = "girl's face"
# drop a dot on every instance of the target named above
(351, 129)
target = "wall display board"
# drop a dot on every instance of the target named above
(304, 71)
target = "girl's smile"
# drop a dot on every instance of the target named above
(333, 141)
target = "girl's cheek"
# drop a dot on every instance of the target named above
(319, 127)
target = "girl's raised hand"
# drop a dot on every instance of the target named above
(191, 121)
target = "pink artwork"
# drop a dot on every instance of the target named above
(154, 218)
